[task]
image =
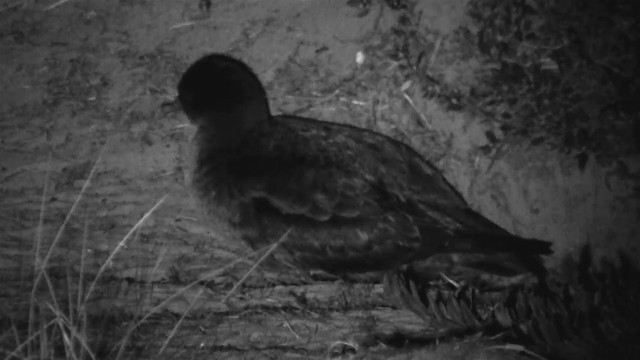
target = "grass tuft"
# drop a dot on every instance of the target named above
(58, 328)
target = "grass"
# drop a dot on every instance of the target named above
(60, 326)
(50, 323)
(72, 325)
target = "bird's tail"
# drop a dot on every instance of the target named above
(498, 253)
(495, 243)
(477, 234)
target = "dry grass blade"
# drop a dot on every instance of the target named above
(15, 333)
(66, 340)
(28, 341)
(83, 251)
(454, 283)
(255, 266)
(163, 253)
(44, 339)
(40, 269)
(36, 244)
(518, 348)
(70, 297)
(120, 245)
(175, 328)
(51, 290)
(287, 323)
(166, 301)
(183, 24)
(423, 118)
(67, 328)
(434, 54)
(41, 265)
(230, 292)
(38, 239)
(55, 5)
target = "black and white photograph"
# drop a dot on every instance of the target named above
(320, 179)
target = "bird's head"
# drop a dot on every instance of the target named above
(222, 95)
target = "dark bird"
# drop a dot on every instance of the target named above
(354, 200)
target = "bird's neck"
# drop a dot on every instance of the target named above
(227, 140)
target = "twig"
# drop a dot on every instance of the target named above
(434, 54)
(450, 281)
(516, 347)
(288, 325)
(271, 249)
(55, 5)
(425, 122)
(183, 24)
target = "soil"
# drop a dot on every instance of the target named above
(82, 85)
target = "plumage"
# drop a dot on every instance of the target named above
(355, 200)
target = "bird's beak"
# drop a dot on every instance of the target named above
(171, 107)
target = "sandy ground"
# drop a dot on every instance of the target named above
(90, 76)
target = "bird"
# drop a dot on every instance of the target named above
(351, 200)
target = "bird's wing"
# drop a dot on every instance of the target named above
(326, 185)
(324, 170)
(307, 174)
(357, 200)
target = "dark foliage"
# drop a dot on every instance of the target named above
(586, 311)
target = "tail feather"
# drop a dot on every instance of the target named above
(495, 243)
